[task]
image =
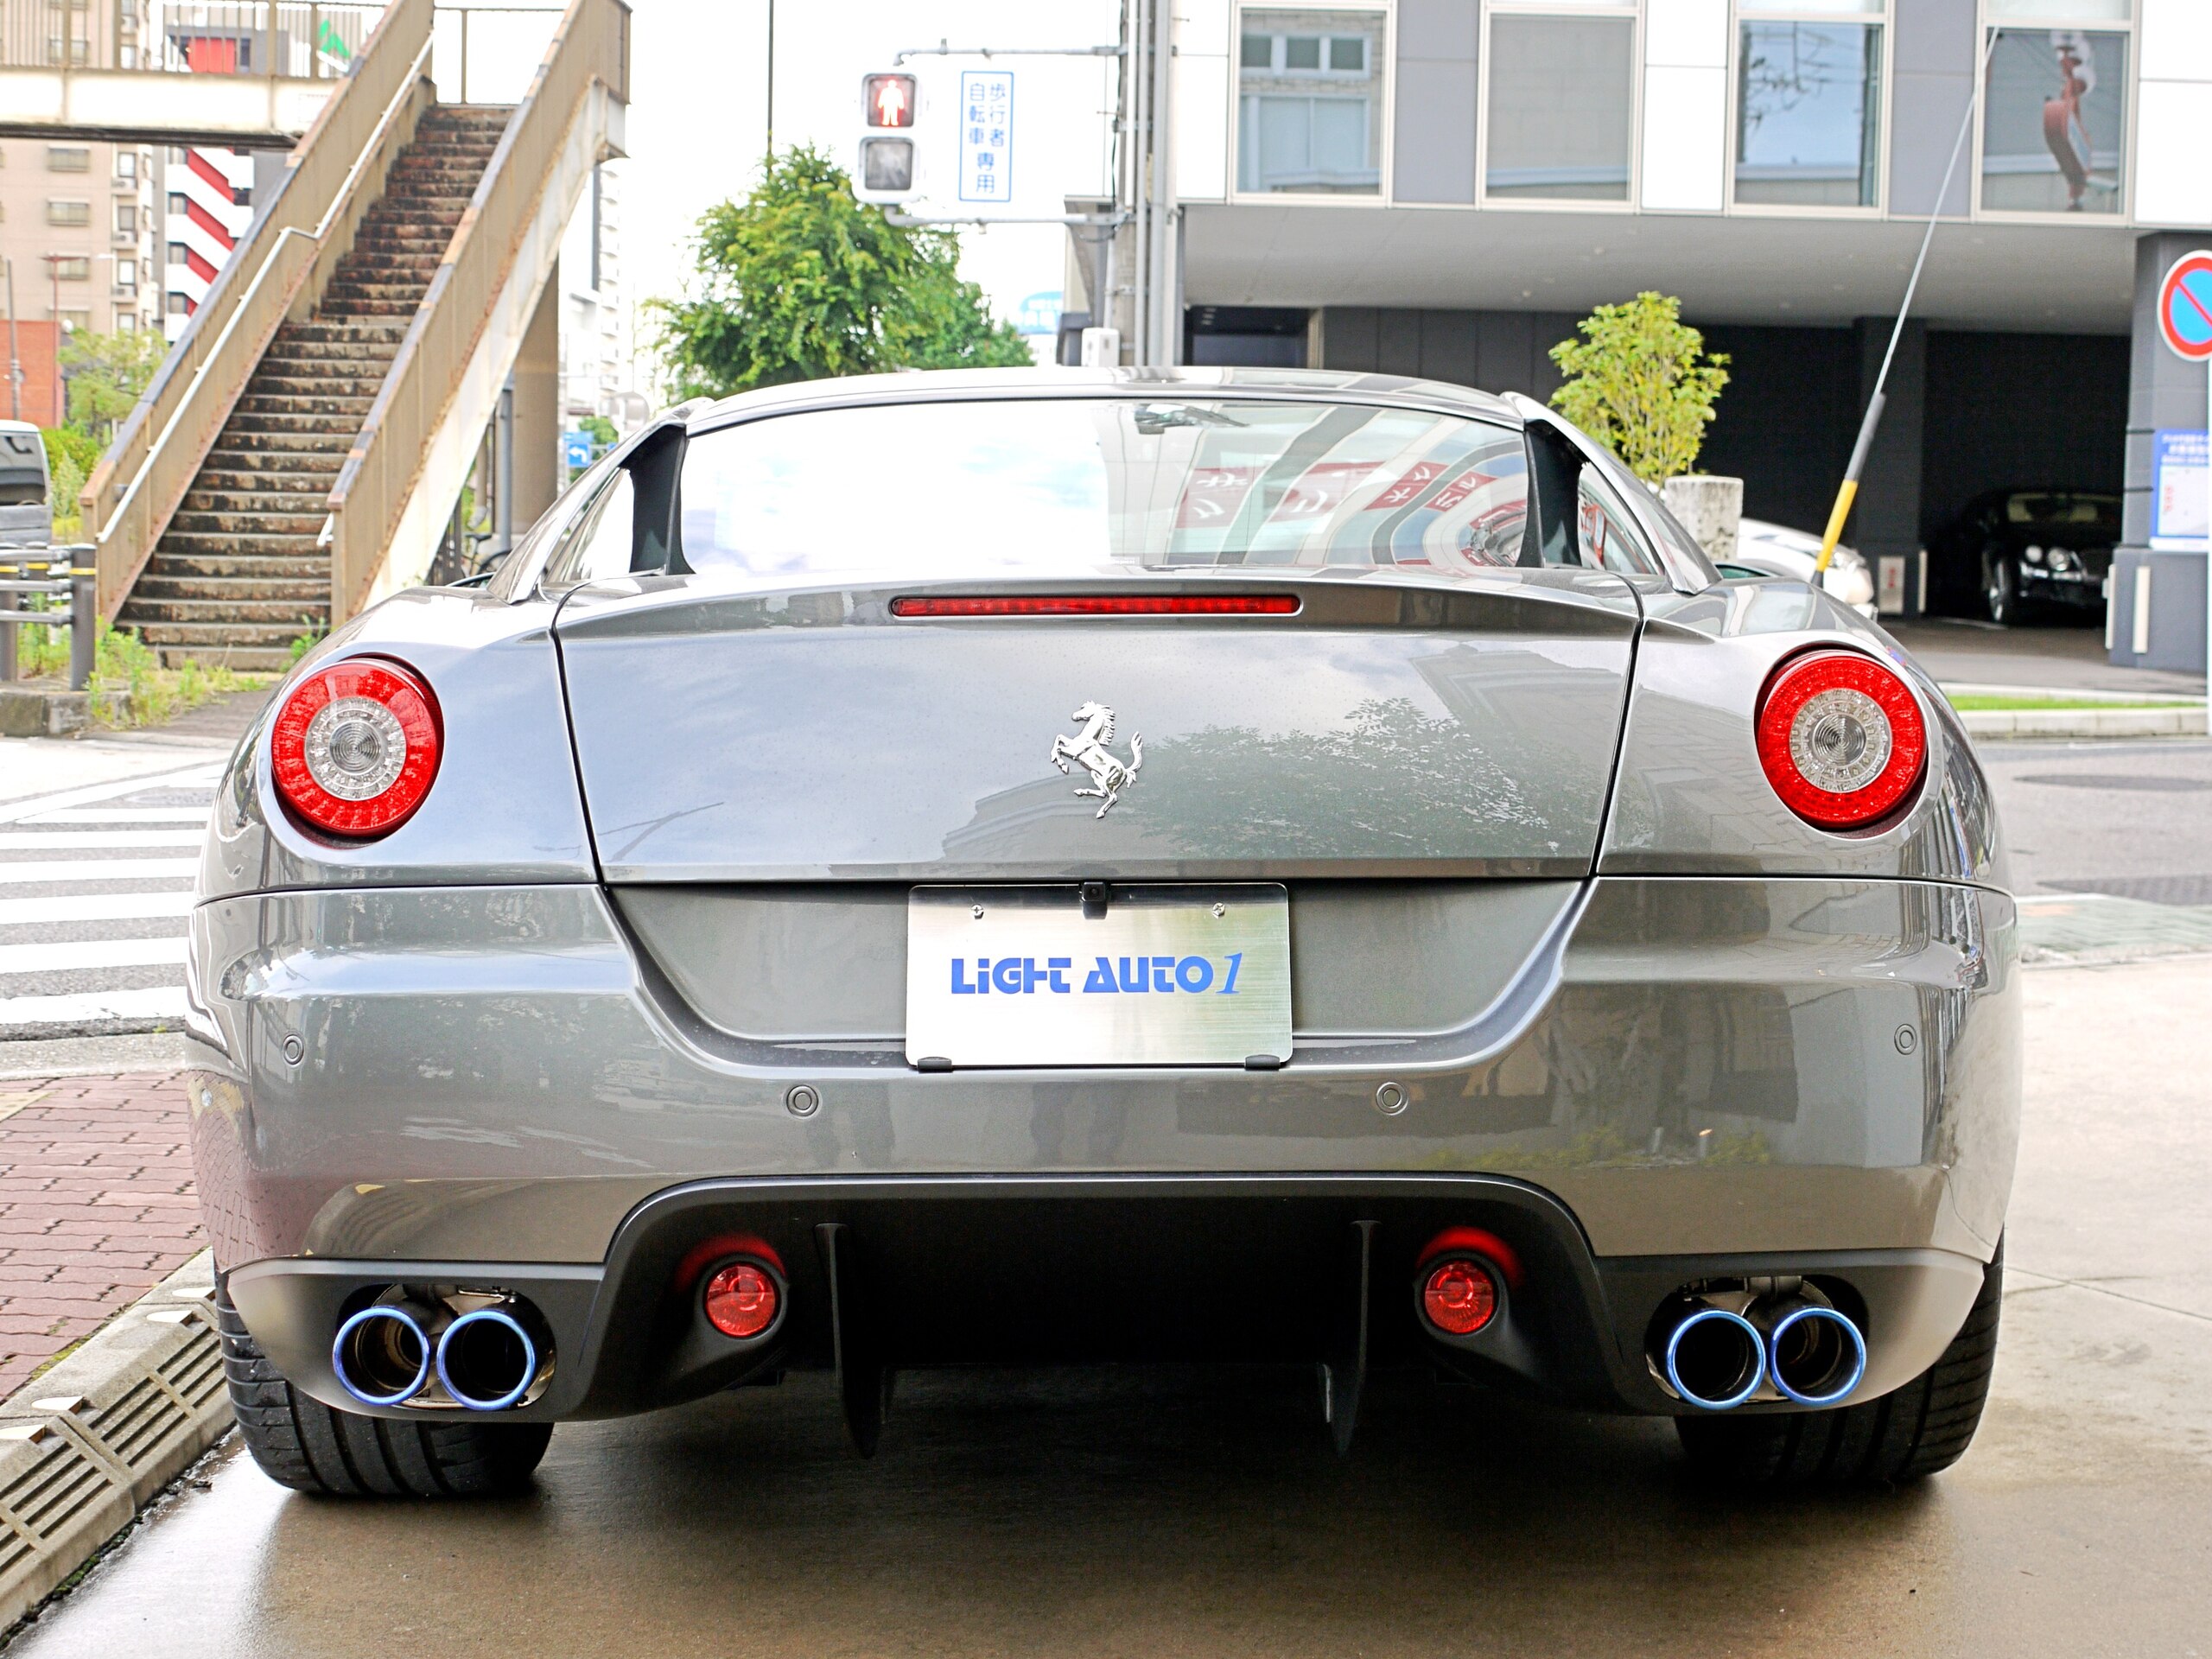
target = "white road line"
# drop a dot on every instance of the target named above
(87, 1006)
(74, 956)
(205, 775)
(97, 869)
(94, 907)
(98, 841)
(195, 816)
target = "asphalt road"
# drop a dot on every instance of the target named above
(2132, 819)
(1147, 1511)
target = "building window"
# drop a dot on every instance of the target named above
(68, 158)
(1309, 107)
(126, 323)
(69, 213)
(1809, 113)
(2054, 138)
(126, 219)
(178, 254)
(126, 276)
(76, 319)
(178, 305)
(126, 163)
(1561, 107)
(74, 268)
(179, 208)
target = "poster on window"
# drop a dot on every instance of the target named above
(2054, 138)
(2178, 505)
(987, 135)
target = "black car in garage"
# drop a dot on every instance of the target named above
(2022, 555)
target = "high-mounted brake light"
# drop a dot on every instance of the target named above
(1103, 605)
(1842, 738)
(355, 747)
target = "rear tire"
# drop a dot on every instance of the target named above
(1924, 1427)
(302, 1443)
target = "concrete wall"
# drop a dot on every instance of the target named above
(1933, 44)
(1498, 351)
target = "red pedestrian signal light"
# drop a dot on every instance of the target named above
(888, 99)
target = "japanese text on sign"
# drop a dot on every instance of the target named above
(987, 135)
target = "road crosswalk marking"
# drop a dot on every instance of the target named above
(95, 869)
(84, 956)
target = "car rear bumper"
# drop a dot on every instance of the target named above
(492, 1085)
(1057, 1270)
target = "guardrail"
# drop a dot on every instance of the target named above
(590, 50)
(130, 496)
(75, 583)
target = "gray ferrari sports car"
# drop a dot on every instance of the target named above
(1059, 867)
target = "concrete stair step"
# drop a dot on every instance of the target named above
(307, 500)
(401, 308)
(332, 382)
(242, 644)
(295, 593)
(193, 545)
(355, 407)
(236, 617)
(246, 525)
(281, 448)
(340, 334)
(262, 565)
(228, 480)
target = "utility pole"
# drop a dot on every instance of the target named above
(53, 276)
(771, 151)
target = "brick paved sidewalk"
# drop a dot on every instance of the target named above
(96, 1207)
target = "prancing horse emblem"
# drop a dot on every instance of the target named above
(1087, 748)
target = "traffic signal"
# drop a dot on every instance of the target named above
(887, 167)
(890, 103)
(888, 100)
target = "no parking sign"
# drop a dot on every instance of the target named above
(2185, 324)
(2185, 307)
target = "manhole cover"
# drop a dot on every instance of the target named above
(2155, 782)
(2151, 889)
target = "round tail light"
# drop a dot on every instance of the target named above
(355, 747)
(741, 1299)
(1459, 1296)
(1841, 739)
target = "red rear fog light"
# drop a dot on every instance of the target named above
(741, 1299)
(1459, 1296)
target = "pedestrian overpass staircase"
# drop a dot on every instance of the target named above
(301, 451)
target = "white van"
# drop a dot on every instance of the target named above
(26, 489)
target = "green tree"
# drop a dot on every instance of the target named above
(1641, 382)
(70, 458)
(106, 373)
(802, 280)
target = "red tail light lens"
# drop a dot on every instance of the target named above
(741, 1299)
(355, 747)
(1458, 1297)
(1841, 739)
(1103, 605)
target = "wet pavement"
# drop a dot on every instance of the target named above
(1150, 1510)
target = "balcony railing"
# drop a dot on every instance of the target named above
(293, 40)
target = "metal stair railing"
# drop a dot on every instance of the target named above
(400, 459)
(335, 173)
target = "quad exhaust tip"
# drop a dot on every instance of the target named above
(488, 1358)
(1722, 1349)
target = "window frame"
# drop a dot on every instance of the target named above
(1633, 11)
(1385, 160)
(1883, 17)
(1990, 15)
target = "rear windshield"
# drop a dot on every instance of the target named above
(2098, 511)
(1074, 484)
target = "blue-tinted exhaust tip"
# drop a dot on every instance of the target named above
(1714, 1359)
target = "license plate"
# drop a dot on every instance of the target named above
(1156, 976)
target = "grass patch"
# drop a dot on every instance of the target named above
(1971, 702)
(130, 687)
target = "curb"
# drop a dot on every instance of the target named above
(86, 1445)
(2084, 722)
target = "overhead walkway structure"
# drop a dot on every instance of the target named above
(300, 453)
